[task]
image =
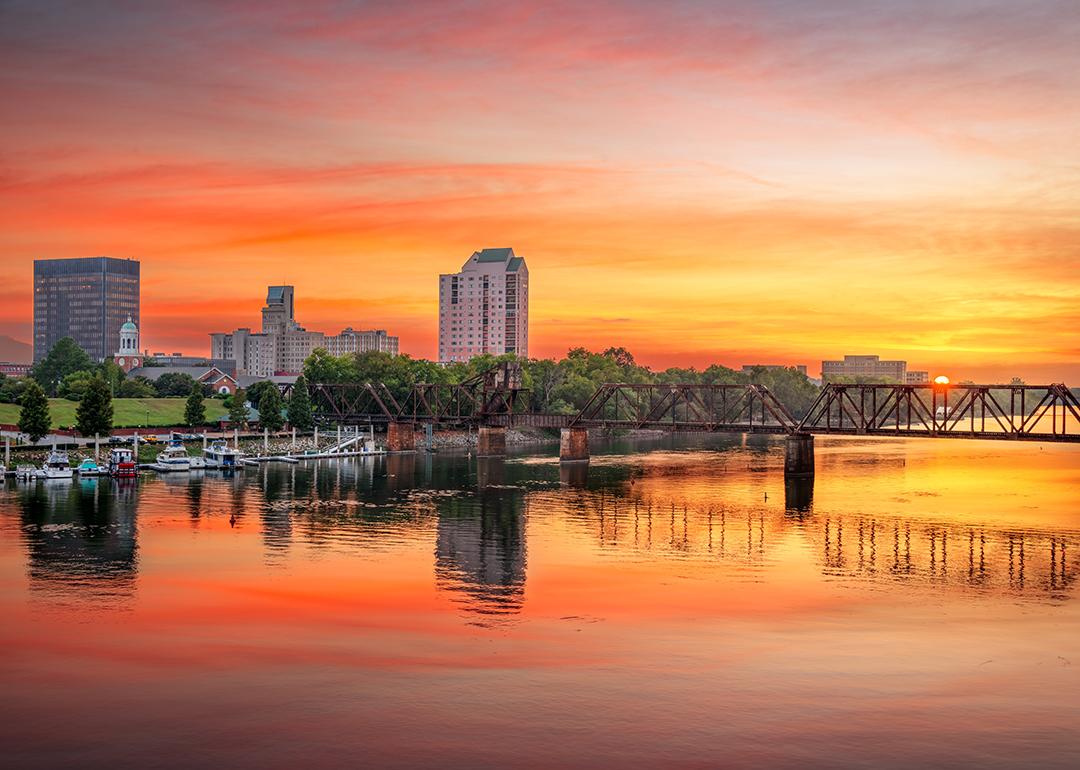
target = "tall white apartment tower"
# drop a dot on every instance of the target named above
(485, 307)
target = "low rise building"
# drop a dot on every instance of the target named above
(282, 346)
(219, 381)
(914, 377)
(864, 367)
(14, 370)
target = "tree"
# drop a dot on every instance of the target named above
(94, 416)
(238, 412)
(299, 411)
(113, 374)
(136, 387)
(270, 410)
(74, 386)
(11, 388)
(257, 390)
(195, 412)
(34, 419)
(64, 358)
(173, 384)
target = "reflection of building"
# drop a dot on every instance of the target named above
(864, 366)
(283, 344)
(484, 308)
(480, 550)
(87, 299)
(81, 539)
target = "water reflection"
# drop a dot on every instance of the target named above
(480, 553)
(710, 507)
(80, 539)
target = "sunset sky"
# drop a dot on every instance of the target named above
(772, 181)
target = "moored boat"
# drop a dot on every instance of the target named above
(220, 455)
(176, 458)
(89, 467)
(56, 466)
(122, 463)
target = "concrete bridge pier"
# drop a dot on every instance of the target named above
(400, 437)
(574, 445)
(491, 442)
(799, 455)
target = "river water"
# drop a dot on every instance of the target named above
(673, 604)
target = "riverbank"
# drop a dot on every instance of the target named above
(283, 444)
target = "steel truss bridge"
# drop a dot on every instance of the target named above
(495, 398)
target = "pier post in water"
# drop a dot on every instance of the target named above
(574, 445)
(491, 442)
(400, 437)
(799, 455)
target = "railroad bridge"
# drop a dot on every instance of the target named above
(494, 400)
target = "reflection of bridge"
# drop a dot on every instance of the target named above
(863, 548)
(493, 401)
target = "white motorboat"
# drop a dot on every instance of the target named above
(25, 472)
(176, 458)
(220, 455)
(56, 466)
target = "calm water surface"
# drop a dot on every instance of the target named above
(672, 605)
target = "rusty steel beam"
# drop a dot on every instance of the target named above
(493, 398)
(903, 410)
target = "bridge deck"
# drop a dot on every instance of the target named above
(999, 412)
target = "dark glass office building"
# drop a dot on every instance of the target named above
(87, 299)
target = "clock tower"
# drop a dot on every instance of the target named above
(128, 357)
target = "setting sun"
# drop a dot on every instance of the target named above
(941, 380)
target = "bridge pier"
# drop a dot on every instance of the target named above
(573, 445)
(400, 437)
(491, 442)
(799, 455)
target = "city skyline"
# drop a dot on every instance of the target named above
(757, 184)
(819, 364)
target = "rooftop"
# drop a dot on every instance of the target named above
(494, 255)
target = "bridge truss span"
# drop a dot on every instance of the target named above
(686, 407)
(1024, 412)
(495, 398)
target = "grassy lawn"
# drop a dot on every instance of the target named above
(127, 412)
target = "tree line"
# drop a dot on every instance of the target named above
(68, 372)
(560, 386)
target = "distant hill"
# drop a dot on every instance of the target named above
(14, 351)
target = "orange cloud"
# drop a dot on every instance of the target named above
(763, 184)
